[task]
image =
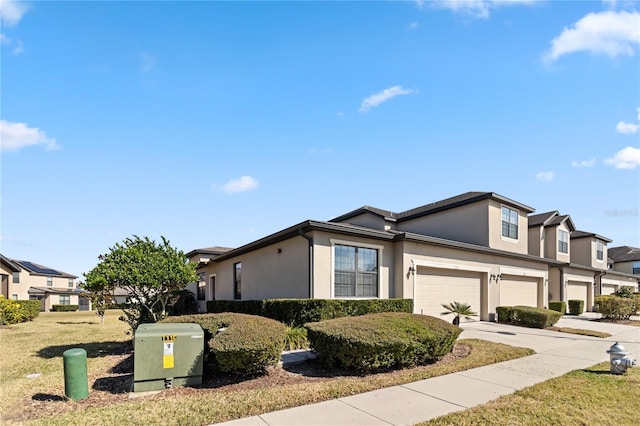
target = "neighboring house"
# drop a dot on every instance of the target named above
(204, 289)
(24, 280)
(625, 259)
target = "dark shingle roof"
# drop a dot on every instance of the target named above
(624, 253)
(37, 269)
(584, 234)
(438, 206)
(541, 219)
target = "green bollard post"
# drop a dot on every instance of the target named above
(76, 382)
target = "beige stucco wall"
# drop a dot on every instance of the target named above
(536, 241)
(626, 267)
(323, 258)
(266, 273)
(620, 281)
(584, 251)
(27, 280)
(551, 243)
(496, 240)
(469, 223)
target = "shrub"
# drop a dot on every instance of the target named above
(576, 307)
(15, 311)
(528, 316)
(182, 302)
(238, 343)
(382, 340)
(296, 338)
(558, 307)
(64, 308)
(614, 307)
(296, 312)
(625, 291)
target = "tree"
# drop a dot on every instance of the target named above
(151, 273)
(99, 293)
(458, 309)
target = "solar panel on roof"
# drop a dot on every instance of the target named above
(39, 269)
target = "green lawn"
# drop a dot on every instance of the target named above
(37, 347)
(583, 397)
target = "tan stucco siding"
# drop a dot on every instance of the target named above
(554, 293)
(626, 267)
(536, 241)
(266, 273)
(469, 223)
(552, 241)
(584, 251)
(496, 240)
(323, 262)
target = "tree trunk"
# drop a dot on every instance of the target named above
(456, 321)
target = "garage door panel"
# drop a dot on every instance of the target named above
(608, 289)
(516, 290)
(435, 287)
(578, 291)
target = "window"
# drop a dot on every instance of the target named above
(599, 250)
(237, 280)
(49, 281)
(509, 223)
(202, 288)
(635, 268)
(212, 287)
(14, 296)
(16, 277)
(65, 300)
(70, 282)
(356, 271)
(563, 241)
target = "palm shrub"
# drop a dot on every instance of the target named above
(458, 309)
(296, 338)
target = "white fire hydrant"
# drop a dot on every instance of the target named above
(619, 359)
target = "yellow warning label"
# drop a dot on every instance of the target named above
(169, 338)
(167, 358)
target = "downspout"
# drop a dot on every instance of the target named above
(597, 282)
(310, 240)
(562, 290)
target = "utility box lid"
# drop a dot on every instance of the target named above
(167, 355)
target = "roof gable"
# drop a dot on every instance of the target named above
(624, 253)
(583, 234)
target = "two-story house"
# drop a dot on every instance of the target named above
(479, 248)
(625, 259)
(25, 280)
(472, 248)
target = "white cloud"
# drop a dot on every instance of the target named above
(14, 136)
(11, 12)
(626, 128)
(242, 184)
(627, 158)
(584, 163)
(380, 97)
(545, 176)
(475, 8)
(610, 33)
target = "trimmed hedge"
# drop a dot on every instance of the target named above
(576, 307)
(238, 343)
(381, 340)
(15, 311)
(64, 308)
(527, 316)
(296, 312)
(558, 307)
(615, 308)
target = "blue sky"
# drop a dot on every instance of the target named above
(218, 123)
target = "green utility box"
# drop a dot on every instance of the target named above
(167, 355)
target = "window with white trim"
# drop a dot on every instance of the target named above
(355, 271)
(599, 250)
(202, 287)
(635, 268)
(563, 241)
(70, 282)
(509, 223)
(237, 281)
(65, 299)
(49, 281)
(16, 277)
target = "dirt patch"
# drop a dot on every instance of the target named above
(115, 387)
(623, 322)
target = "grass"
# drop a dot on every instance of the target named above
(37, 347)
(579, 331)
(583, 397)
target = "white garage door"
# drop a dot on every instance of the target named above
(577, 291)
(516, 290)
(435, 287)
(608, 289)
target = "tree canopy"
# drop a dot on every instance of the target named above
(151, 273)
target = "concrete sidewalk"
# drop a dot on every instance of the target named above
(557, 354)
